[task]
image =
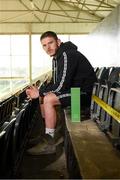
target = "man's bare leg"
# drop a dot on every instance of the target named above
(50, 101)
(48, 145)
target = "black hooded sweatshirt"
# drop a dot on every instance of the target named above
(70, 69)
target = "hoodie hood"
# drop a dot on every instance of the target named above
(67, 46)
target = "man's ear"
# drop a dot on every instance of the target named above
(59, 42)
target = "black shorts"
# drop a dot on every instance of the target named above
(65, 100)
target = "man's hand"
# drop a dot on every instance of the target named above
(32, 92)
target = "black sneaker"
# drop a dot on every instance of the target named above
(34, 140)
(46, 146)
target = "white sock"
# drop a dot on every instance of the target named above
(50, 132)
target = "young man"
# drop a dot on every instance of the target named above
(70, 69)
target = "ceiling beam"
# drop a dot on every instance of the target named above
(30, 10)
(106, 5)
(50, 10)
(63, 10)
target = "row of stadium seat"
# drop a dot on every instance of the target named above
(107, 89)
(17, 116)
(13, 138)
(12, 105)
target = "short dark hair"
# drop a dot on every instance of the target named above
(49, 34)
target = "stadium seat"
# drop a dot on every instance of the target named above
(6, 143)
(102, 77)
(112, 82)
(111, 124)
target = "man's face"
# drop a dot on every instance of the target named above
(50, 45)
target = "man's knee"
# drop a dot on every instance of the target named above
(51, 99)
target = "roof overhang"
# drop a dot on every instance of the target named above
(62, 16)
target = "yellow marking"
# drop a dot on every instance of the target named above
(115, 114)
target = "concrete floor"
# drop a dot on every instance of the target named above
(44, 166)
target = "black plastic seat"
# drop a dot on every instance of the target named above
(112, 82)
(6, 108)
(6, 142)
(111, 124)
(102, 77)
(21, 98)
(21, 130)
(103, 94)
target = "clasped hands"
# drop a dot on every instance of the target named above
(32, 92)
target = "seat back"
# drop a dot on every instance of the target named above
(112, 125)
(114, 77)
(101, 89)
(112, 82)
(101, 76)
(6, 109)
(6, 137)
